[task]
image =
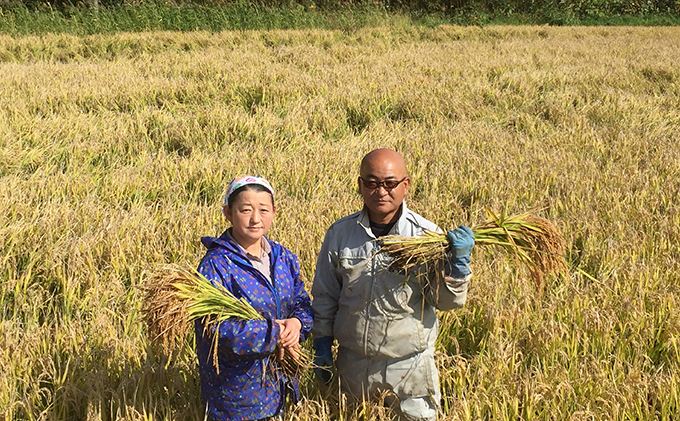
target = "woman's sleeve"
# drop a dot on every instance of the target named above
(302, 308)
(254, 338)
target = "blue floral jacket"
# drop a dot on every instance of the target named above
(247, 388)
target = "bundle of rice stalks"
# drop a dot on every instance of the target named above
(166, 316)
(176, 297)
(534, 242)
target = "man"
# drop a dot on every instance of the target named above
(384, 321)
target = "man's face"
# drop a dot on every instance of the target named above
(382, 202)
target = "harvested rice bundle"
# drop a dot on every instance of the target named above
(534, 241)
(177, 297)
(166, 316)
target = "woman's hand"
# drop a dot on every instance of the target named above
(289, 337)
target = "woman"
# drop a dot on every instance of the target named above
(244, 384)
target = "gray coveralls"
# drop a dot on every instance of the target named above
(385, 322)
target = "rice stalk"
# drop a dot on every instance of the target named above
(534, 241)
(176, 297)
(166, 316)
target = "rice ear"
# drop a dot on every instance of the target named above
(533, 241)
(176, 296)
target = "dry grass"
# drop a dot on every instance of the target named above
(115, 151)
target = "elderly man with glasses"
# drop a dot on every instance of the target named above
(384, 321)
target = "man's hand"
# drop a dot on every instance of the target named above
(323, 359)
(462, 241)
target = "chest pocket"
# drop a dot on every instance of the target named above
(355, 267)
(355, 275)
(393, 297)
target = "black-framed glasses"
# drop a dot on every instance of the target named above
(387, 184)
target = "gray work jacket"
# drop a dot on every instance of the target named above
(369, 309)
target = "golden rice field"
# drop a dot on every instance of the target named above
(115, 151)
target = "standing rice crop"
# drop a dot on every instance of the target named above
(176, 297)
(534, 242)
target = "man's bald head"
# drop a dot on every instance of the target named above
(383, 184)
(383, 158)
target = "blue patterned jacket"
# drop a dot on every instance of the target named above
(247, 388)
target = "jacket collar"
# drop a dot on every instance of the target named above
(401, 225)
(266, 248)
(226, 242)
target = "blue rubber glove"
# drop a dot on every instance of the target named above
(462, 240)
(323, 359)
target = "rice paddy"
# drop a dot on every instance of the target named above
(115, 151)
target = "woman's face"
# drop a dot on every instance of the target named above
(251, 216)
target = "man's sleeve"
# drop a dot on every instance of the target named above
(445, 292)
(326, 287)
